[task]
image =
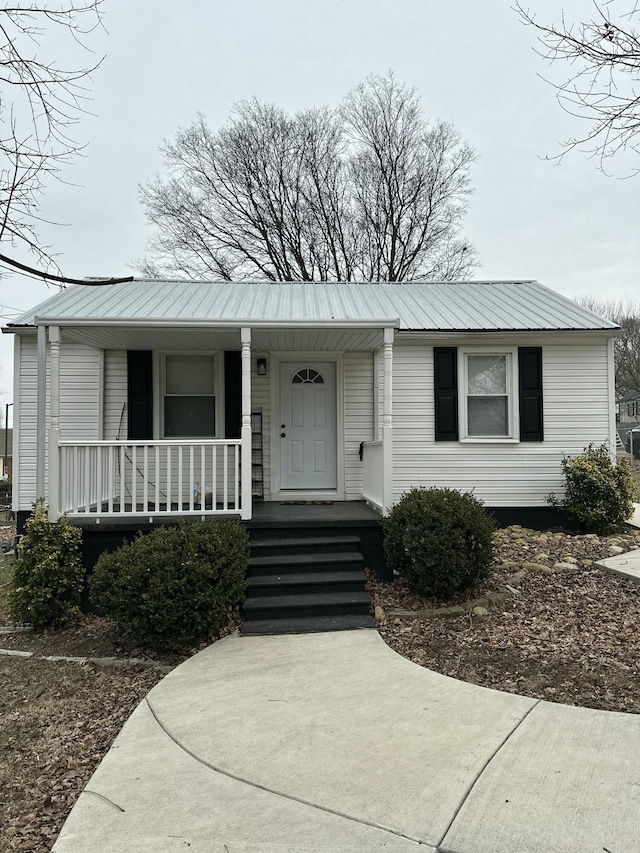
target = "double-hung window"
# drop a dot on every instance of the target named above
(490, 391)
(189, 396)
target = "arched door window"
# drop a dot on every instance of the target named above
(307, 376)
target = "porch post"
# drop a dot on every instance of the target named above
(54, 427)
(41, 411)
(387, 423)
(245, 432)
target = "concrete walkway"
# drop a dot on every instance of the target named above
(333, 742)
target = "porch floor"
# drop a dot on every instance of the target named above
(337, 513)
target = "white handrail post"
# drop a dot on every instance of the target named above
(387, 423)
(245, 432)
(54, 427)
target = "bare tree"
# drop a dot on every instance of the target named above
(39, 104)
(626, 347)
(366, 191)
(603, 55)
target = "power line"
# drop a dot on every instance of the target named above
(61, 279)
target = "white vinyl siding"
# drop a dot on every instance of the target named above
(261, 401)
(576, 411)
(79, 405)
(115, 395)
(358, 417)
(26, 394)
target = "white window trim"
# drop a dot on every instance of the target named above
(159, 390)
(513, 415)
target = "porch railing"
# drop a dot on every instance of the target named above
(373, 473)
(159, 478)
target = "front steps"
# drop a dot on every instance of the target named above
(305, 583)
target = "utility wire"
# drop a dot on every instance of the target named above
(61, 278)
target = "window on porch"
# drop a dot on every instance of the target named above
(189, 396)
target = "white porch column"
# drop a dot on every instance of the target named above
(54, 427)
(245, 432)
(387, 423)
(41, 412)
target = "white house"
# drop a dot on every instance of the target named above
(153, 399)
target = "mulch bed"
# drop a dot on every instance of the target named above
(568, 636)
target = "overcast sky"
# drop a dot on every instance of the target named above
(473, 63)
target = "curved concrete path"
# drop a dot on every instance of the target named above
(333, 742)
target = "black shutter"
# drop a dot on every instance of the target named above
(140, 394)
(232, 394)
(530, 393)
(445, 385)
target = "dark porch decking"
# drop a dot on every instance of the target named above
(306, 566)
(313, 513)
(279, 519)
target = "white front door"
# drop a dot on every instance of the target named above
(307, 425)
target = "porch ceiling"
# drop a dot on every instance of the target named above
(288, 339)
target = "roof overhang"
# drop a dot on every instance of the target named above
(290, 335)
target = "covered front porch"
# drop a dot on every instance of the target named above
(104, 479)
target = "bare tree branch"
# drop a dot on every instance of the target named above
(367, 191)
(603, 89)
(39, 105)
(626, 347)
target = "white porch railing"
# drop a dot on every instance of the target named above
(373, 473)
(151, 478)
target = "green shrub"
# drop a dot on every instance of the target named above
(439, 541)
(175, 585)
(598, 494)
(47, 573)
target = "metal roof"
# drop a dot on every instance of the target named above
(427, 306)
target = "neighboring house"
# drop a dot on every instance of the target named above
(627, 416)
(143, 401)
(6, 453)
(628, 410)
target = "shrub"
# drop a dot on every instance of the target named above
(47, 573)
(598, 494)
(175, 585)
(439, 541)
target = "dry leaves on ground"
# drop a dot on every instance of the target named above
(571, 637)
(56, 723)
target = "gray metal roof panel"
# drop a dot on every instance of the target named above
(431, 306)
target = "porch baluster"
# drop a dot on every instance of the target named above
(157, 475)
(111, 469)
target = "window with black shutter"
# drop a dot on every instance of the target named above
(530, 393)
(445, 383)
(140, 394)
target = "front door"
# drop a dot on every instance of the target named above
(307, 425)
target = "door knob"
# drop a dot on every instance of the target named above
(283, 435)
(282, 426)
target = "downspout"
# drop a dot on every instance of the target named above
(611, 387)
(41, 412)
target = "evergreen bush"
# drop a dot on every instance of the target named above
(47, 573)
(439, 541)
(598, 494)
(174, 586)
